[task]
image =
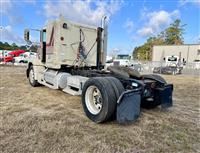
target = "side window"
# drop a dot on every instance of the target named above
(44, 36)
(42, 55)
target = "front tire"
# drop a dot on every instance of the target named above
(98, 99)
(31, 77)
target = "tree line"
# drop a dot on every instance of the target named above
(172, 35)
(13, 46)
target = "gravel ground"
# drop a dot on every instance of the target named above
(46, 120)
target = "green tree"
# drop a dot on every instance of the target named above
(174, 33)
(144, 52)
(13, 46)
(1, 46)
(23, 47)
(170, 36)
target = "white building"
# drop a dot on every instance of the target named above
(187, 52)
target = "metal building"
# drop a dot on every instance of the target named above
(187, 52)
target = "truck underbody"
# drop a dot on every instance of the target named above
(119, 92)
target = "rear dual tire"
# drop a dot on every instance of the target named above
(99, 98)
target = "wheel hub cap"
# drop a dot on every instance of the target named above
(93, 100)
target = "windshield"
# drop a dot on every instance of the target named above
(172, 59)
(123, 57)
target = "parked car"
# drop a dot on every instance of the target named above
(25, 57)
(8, 59)
(16, 53)
(168, 70)
(10, 56)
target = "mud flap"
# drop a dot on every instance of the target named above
(164, 96)
(128, 106)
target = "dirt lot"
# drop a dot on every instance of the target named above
(45, 120)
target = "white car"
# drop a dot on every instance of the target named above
(25, 57)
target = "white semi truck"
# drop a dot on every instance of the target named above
(122, 60)
(71, 57)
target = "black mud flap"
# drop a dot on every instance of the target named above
(164, 96)
(128, 106)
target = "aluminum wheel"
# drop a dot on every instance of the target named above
(98, 99)
(93, 99)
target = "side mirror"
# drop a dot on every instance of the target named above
(26, 35)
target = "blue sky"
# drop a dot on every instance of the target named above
(130, 22)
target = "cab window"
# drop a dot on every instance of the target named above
(44, 36)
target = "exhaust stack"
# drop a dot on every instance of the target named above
(104, 25)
